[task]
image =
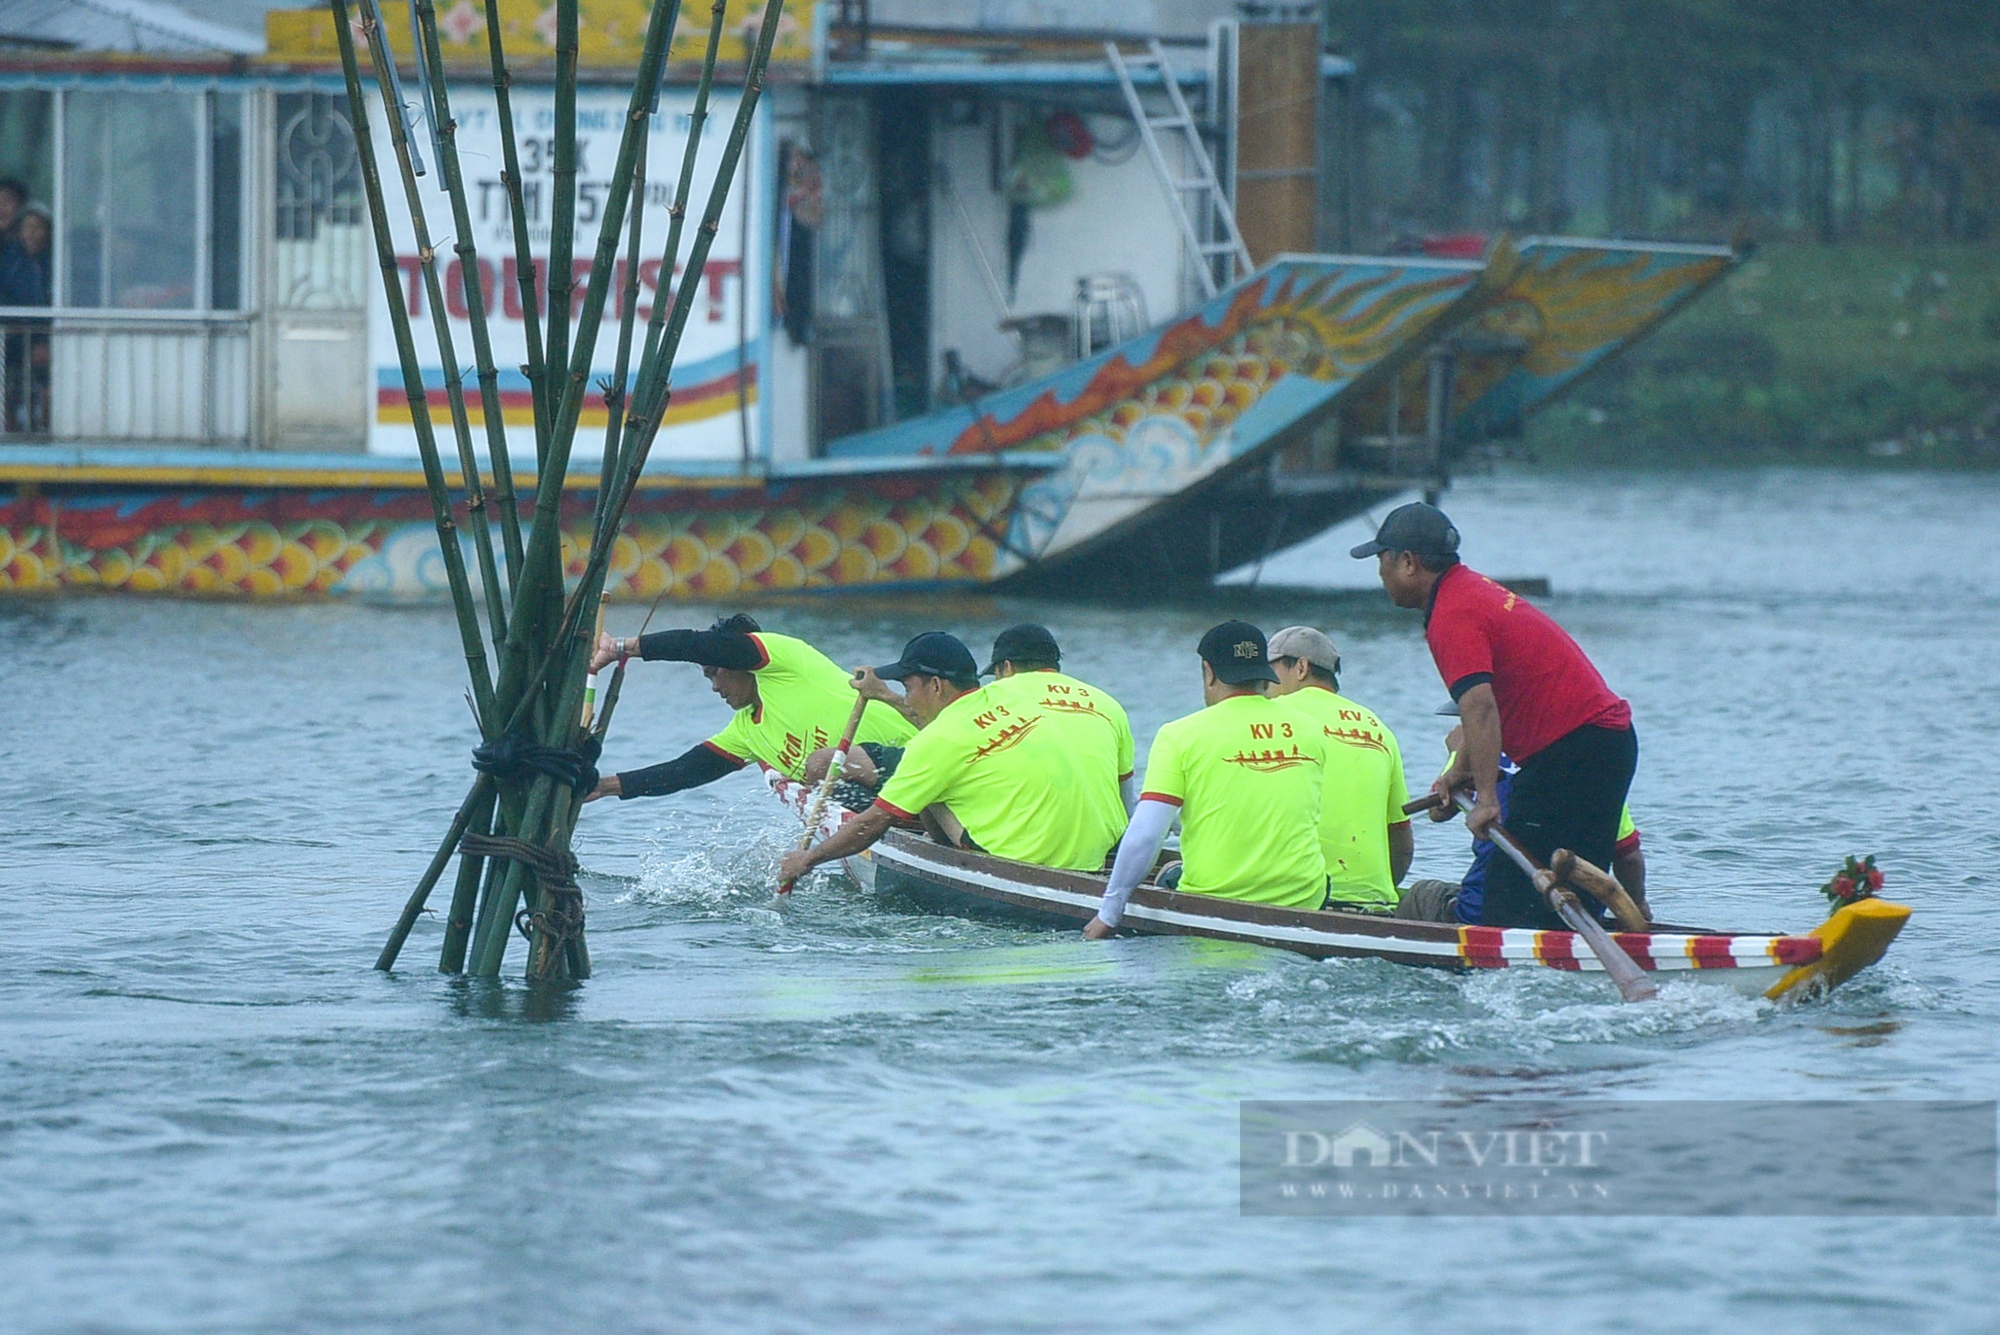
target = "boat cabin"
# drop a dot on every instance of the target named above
(939, 200)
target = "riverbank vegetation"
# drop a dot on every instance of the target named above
(1809, 353)
(1856, 141)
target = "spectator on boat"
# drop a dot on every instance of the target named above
(790, 700)
(25, 281)
(1243, 774)
(1362, 829)
(1524, 686)
(1023, 781)
(13, 199)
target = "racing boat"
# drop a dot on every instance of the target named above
(906, 866)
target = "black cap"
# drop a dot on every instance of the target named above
(1025, 646)
(1237, 652)
(1416, 527)
(934, 654)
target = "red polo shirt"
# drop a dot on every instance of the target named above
(1545, 686)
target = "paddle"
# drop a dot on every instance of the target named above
(834, 769)
(1572, 871)
(1633, 984)
(1587, 876)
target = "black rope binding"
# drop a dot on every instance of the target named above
(555, 876)
(519, 756)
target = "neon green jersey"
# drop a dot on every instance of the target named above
(1362, 797)
(1246, 774)
(1030, 783)
(803, 700)
(1065, 697)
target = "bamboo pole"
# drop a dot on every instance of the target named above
(542, 574)
(615, 389)
(525, 268)
(655, 371)
(671, 252)
(454, 383)
(562, 215)
(479, 799)
(413, 380)
(475, 300)
(542, 962)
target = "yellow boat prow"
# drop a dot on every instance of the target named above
(1853, 938)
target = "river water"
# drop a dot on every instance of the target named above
(215, 1116)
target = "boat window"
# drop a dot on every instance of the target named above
(130, 200)
(322, 244)
(225, 201)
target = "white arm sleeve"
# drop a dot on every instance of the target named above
(1136, 852)
(1128, 788)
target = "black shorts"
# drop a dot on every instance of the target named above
(1567, 795)
(856, 797)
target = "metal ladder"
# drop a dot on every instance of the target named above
(1216, 217)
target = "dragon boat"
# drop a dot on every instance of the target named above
(907, 868)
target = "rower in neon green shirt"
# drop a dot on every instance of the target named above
(1362, 829)
(1244, 775)
(1026, 782)
(790, 699)
(1028, 657)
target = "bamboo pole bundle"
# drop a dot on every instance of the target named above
(535, 708)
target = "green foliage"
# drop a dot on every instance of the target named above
(1808, 353)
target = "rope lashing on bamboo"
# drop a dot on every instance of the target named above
(555, 873)
(519, 756)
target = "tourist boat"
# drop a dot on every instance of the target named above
(908, 368)
(907, 867)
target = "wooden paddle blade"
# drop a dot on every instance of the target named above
(1632, 981)
(1601, 886)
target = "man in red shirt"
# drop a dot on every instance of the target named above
(1524, 686)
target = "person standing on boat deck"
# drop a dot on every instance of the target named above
(1437, 901)
(1026, 782)
(1362, 828)
(1027, 656)
(1244, 775)
(790, 699)
(1524, 685)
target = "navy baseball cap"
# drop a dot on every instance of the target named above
(1237, 652)
(1418, 528)
(934, 654)
(1025, 646)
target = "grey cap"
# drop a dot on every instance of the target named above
(1305, 642)
(1449, 709)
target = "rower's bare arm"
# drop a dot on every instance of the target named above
(1402, 847)
(1479, 714)
(607, 786)
(871, 687)
(845, 842)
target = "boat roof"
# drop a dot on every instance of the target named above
(275, 38)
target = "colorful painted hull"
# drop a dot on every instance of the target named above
(1169, 459)
(912, 868)
(693, 542)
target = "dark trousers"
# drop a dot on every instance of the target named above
(1567, 795)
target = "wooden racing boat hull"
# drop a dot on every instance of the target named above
(908, 868)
